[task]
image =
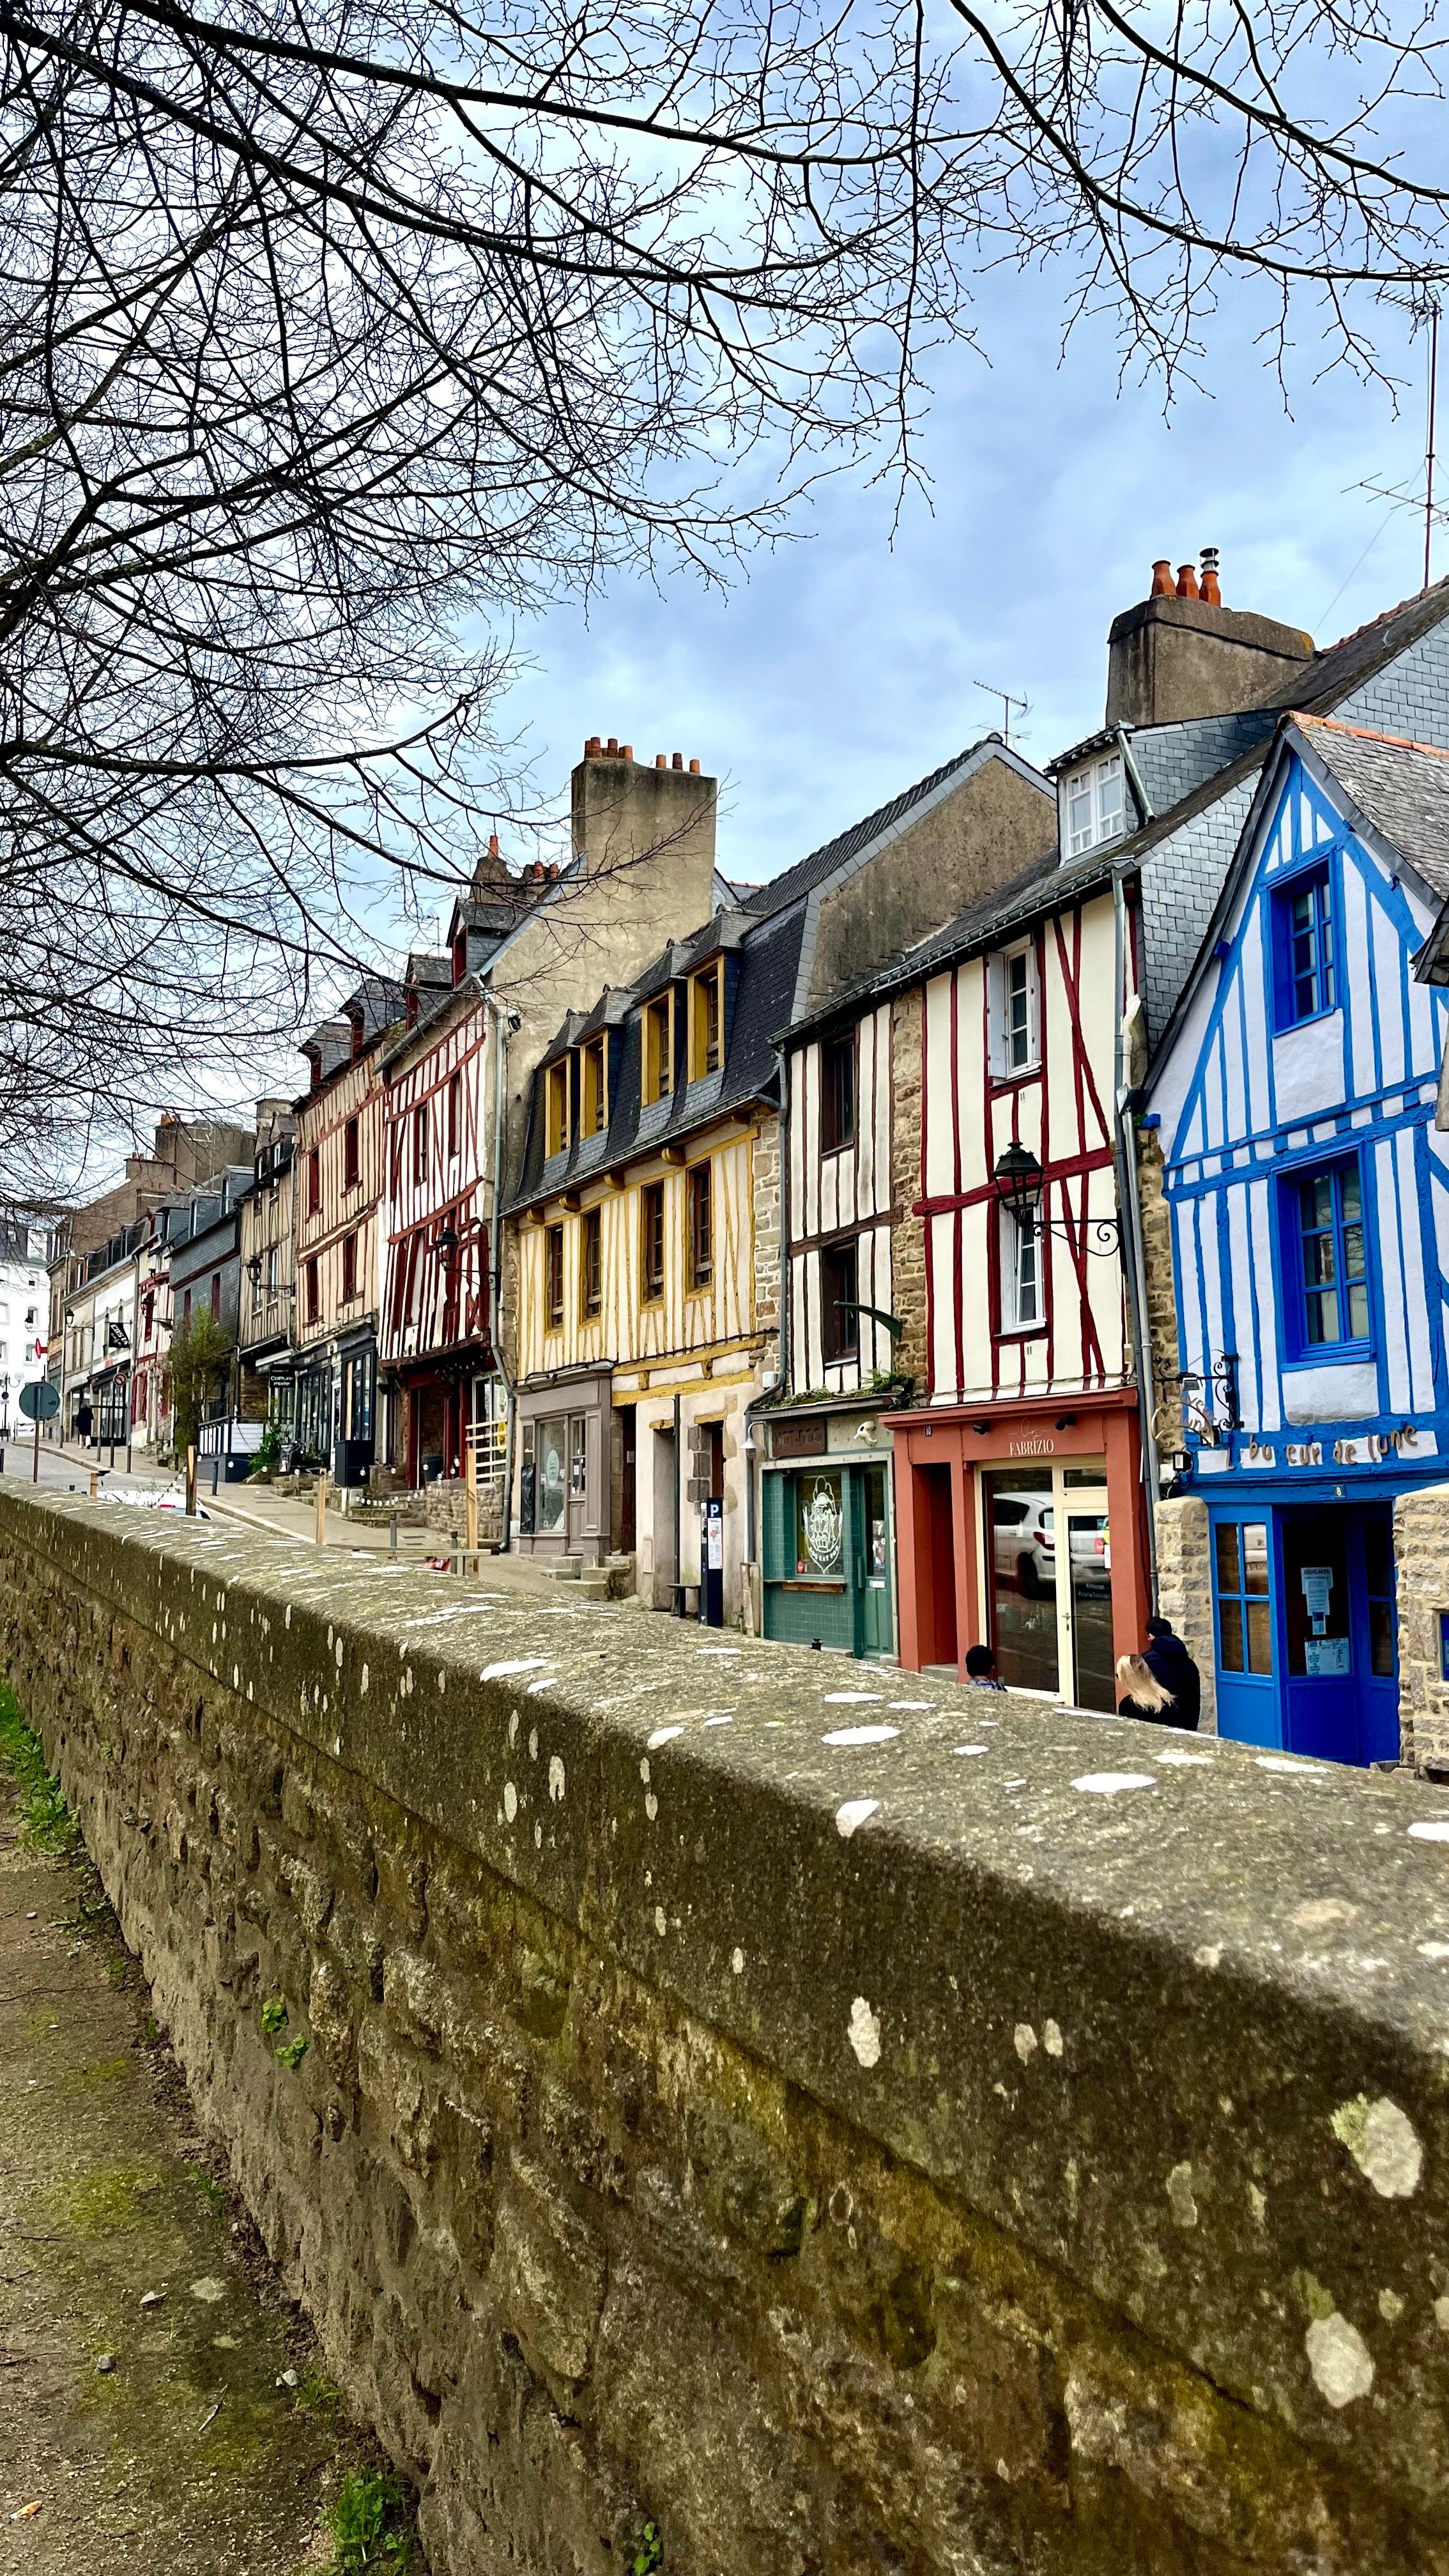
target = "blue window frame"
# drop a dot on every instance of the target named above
(1305, 966)
(1325, 1222)
(1245, 1609)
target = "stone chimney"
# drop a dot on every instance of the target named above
(1181, 653)
(646, 833)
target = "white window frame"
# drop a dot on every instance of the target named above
(1103, 785)
(1023, 1282)
(1006, 1066)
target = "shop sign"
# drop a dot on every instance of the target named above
(798, 1439)
(1040, 1447)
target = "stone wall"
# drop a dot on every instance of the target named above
(1421, 1573)
(724, 2108)
(1185, 1589)
(1160, 1281)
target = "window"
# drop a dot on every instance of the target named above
(349, 1266)
(658, 1036)
(314, 1300)
(1327, 1209)
(591, 1263)
(1245, 1621)
(837, 1094)
(706, 1021)
(700, 1180)
(553, 1276)
(651, 1242)
(257, 1291)
(557, 1109)
(216, 1292)
(273, 1255)
(593, 1089)
(1093, 798)
(839, 1313)
(1378, 1563)
(148, 1315)
(420, 1142)
(1304, 974)
(314, 1181)
(1021, 1271)
(455, 1113)
(351, 1156)
(1015, 1042)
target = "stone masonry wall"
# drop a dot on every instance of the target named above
(723, 2108)
(1161, 1290)
(1185, 1589)
(1421, 1573)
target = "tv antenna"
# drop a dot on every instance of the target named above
(1007, 703)
(1429, 438)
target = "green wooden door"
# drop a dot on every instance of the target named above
(875, 1627)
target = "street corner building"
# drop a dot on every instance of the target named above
(1307, 1185)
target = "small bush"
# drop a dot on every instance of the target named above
(364, 2525)
(46, 1821)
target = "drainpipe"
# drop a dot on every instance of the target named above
(503, 1021)
(753, 1481)
(1123, 733)
(1130, 1204)
(678, 1535)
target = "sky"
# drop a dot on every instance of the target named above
(841, 666)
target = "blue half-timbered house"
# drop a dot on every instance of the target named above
(1309, 1196)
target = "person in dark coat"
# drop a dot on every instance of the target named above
(83, 1420)
(1167, 1657)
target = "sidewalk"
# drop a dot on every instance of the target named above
(292, 1516)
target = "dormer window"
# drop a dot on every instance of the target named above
(706, 1020)
(1092, 805)
(460, 956)
(593, 1088)
(556, 1106)
(658, 1039)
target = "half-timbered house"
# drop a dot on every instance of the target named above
(827, 1560)
(336, 1189)
(268, 1282)
(520, 949)
(1308, 1191)
(648, 1261)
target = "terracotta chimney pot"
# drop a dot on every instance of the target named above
(1187, 581)
(592, 747)
(678, 760)
(493, 845)
(628, 752)
(1210, 591)
(661, 760)
(1161, 580)
(694, 769)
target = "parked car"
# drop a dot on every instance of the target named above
(1025, 1541)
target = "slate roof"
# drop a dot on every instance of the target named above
(767, 954)
(1402, 788)
(1331, 674)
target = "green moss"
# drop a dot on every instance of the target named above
(106, 2200)
(90, 2079)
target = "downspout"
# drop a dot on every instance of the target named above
(678, 1602)
(501, 1018)
(1133, 1262)
(753, 1486)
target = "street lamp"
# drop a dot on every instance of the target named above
(1019, 1182)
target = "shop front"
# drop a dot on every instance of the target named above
(565, 1427)
(1305, 1627)
(827, 1555)
(1026, 1532)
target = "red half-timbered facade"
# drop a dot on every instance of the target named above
(435, 1335)
(1020, 1515)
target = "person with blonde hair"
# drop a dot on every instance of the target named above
(1142, 1692)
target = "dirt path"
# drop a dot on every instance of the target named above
(191, 2454)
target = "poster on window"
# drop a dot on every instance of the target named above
(819, 1526)
(552, 1475)
(1324, 1657)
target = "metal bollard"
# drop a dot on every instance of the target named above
(391, 1522)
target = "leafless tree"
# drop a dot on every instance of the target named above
(329, 338)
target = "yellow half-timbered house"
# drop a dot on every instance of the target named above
(648, 1261)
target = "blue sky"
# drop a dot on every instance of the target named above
(840, 667)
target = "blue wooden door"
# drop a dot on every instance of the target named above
(1341, 1697)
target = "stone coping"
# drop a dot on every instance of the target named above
(1174, 2013)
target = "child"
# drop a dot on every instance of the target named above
(981, 1668)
